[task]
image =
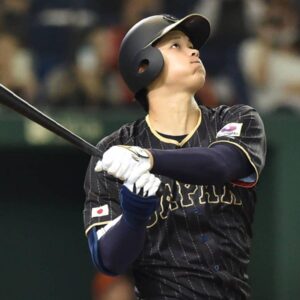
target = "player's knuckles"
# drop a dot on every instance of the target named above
(148, 181)
(121, 152)
(105, 165)
(148, 185)
(155, 186)
(112, 154)
(127, 169)
(153, 190)
(107, 160)
(126, 174)
(116, 149)
(138, 171)
(142, 180)
(157, 181)
(119, 174)
(130, 172)
(144, 167)
(134, 176)
(139, 184)
(122, 171)
(113, 168)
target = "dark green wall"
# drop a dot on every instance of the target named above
(43, 251)
(275, 265)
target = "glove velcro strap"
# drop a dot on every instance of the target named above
(137, 209)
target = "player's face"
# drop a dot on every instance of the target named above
(182, 65)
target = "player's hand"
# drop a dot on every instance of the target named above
(147, 185)
(127, 163)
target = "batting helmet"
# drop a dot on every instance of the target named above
(137, 46)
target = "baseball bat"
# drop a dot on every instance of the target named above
(16, 103)
(13, 101)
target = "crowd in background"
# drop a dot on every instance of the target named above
(63, 53)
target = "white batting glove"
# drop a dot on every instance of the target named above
(125, 162)
(147, 185)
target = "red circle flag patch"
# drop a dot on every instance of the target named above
(100, 211)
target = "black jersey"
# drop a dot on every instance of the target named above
(198, 240)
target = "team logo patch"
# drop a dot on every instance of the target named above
(100, 211)
(230, 130)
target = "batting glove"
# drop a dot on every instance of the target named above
(147, 185)
(127, 163)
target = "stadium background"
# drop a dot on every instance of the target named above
(61, 57)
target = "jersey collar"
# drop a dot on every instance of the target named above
(173, 141)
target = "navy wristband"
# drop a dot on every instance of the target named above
(136, 209)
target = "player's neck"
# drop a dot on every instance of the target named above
(174, 115)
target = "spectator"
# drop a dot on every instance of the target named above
(271, 60)
(134, 10)
(56, 28)
(179, 8)
(92, 78)
(232, 22)
(14, 18)
(16, 67)
(108, 12)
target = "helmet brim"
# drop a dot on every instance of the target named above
(195, 26)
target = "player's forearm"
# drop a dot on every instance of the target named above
(115, 246)
(121, 246)
(216, 165)
(117, 249)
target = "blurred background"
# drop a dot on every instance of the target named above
(61, 56)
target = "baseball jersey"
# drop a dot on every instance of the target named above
(198, 240)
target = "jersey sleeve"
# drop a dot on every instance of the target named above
(241, 125)
(102, 196)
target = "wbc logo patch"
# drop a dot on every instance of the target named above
(230, 130)
(100, 211)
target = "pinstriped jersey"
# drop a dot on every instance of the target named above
(198, 240)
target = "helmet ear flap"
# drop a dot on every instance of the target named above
(148, 64)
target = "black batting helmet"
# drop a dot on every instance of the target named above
(137, 46)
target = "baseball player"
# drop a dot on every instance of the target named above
(172, 200)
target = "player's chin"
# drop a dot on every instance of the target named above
(199, 71)
(199, 79)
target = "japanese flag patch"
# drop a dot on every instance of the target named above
(230, 130)
(100, 211)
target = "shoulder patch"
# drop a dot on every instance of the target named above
(100, 211)
(230, 130)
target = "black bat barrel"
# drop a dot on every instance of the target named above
(16, 103)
